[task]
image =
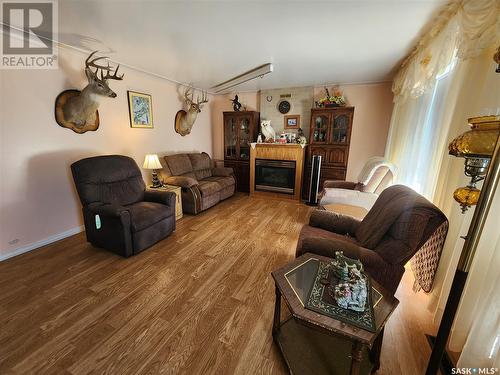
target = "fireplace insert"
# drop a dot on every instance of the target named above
(275, 176)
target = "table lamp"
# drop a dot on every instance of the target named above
(151, 161)
(480, 147)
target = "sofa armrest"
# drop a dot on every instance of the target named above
(160, 196)
(222, 171)
(341, 184)
(105, 209)
(333, 222)
(182, 181)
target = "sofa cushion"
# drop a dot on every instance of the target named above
(179, 164)
(222, 181)
(201, 165)
(208, 187)
(145, 214)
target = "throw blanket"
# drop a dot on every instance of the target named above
(371, 166)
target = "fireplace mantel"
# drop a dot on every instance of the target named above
(276, 151)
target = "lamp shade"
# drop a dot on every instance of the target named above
(479, 142)
(151, 161)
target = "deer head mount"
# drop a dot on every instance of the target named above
(77, 110)
(184, 120)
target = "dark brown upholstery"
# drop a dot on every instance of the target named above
(132, 219)
(203, 186)
(398, 225)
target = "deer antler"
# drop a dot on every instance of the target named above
(101, 68)
(114, 75)
(91, 63)
(186, 96)
(204, 98)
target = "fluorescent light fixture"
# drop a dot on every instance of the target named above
(245, 77)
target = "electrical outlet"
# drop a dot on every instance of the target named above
(14, 241)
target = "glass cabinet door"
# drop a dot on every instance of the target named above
(319, 134)
(245, 137)
(340, 128)
(231, 137)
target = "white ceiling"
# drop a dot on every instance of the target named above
(208, 42)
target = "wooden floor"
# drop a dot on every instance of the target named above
(199, 302)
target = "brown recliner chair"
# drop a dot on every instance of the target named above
(203, 185)
(400, 223)
(119, 214)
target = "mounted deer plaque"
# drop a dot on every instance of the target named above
(77, 110)
(184, 120)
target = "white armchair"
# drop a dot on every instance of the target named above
(377, 174)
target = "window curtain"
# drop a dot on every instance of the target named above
(448, 77)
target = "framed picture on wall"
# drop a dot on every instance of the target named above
(140, 110)
(292, 121)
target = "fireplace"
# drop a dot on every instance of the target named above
(275, 176)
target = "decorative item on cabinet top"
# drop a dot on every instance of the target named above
(329, 101)
(236, 104)
(78, 110)
(184, 120)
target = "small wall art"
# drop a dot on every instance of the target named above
(140, 110)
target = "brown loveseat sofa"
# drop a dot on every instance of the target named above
(400, 224)
(203, 185)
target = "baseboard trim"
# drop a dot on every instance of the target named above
(45, 241)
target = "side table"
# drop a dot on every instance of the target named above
(313, 343)
(178, 202)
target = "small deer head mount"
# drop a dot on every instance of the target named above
(184, 120)
(77, 110)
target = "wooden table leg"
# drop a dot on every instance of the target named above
(376, 350)
(277, 312)
(356, 357)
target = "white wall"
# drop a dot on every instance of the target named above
(37, 196)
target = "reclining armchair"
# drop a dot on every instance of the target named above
(377, 174)
(400, 224)
(118, 213)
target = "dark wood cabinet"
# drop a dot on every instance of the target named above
(330, 137)
(240, 129)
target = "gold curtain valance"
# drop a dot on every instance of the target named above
(463, 29)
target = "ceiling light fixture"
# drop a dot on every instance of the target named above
(258, 72)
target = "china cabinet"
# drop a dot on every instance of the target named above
(240, 129)
(330, 136)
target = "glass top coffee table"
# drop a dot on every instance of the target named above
(313, 343)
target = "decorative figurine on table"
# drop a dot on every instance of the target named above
(236, 104)
(259, 138)
(301, 139)
(351, 291)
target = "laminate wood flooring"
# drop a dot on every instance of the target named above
(199, 302)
